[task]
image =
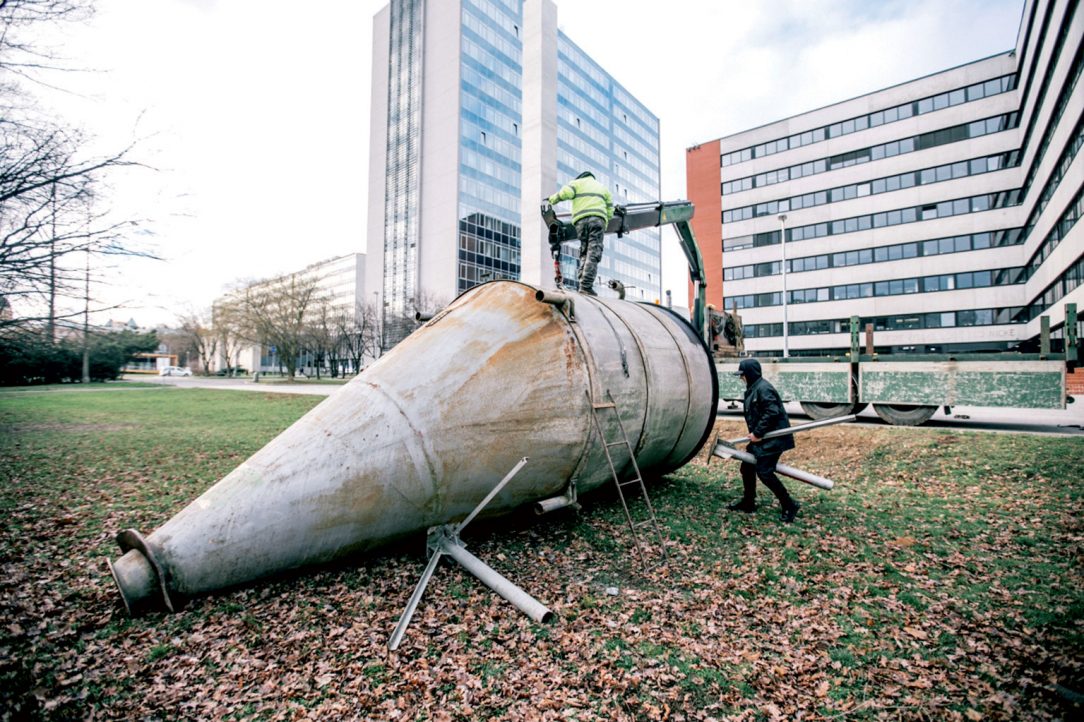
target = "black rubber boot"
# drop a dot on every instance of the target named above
(788, 505)
(747, 507)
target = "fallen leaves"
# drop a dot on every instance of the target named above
(931, 583)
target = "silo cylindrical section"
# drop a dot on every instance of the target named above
(426, 431)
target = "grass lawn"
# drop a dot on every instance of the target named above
(940, 579)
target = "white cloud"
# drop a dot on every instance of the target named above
(711, 69)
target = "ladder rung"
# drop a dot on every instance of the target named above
(651, 520)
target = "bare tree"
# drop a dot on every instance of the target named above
(274, 313)
(360, 333)
(372, 330)
(233, 333)
(201, 338)
(51, 189)
(320, 334)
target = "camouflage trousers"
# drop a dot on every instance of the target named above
(590, 231)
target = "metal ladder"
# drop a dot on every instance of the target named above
(651, 522)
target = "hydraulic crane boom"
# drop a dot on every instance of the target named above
(649, 215)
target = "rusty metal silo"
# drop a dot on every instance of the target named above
(423, 434)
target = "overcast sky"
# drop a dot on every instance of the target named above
(255, 113)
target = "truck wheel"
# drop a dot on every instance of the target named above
(817, 411)
(904, 414)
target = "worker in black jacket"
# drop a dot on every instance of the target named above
(764, 412)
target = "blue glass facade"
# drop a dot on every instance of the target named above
(458, 148)
(402, 182)
(490, 149)
(602, 128)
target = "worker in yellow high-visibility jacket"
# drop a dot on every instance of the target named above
(592, 209)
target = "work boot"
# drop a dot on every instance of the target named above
(748, 507)
(790, 512)
(588, 291)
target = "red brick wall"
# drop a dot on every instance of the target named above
(1074, 383)
(702, 183)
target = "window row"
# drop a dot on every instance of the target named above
(931, 211)
(491, 229)
(471, 276)
(922, 141)
(912, 214)
(1068, 281)
(926, 176)
(902, 322)
(880, 254)
(486, 30)
(1057, 234)
(894, 287)
(1059, 110)
(1068, 155)
(569, 55)
(483, 197)
(958, 96)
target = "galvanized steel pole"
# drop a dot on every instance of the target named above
(489, 497)
(725, 452)
(796, 429)
(415, 598)
(493, 579)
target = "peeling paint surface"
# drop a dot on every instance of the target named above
(813, 381)
(1013, 384)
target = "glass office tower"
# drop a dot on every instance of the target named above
(602, 128)
(480, 109)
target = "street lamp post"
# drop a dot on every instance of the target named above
(783, 268)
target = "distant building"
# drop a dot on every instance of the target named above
(336, 313)
(481, 108)
(942, 210)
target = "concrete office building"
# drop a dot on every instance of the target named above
(335, 301)
(489, 107)
(943, 210)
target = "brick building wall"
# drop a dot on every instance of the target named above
(1074, 383)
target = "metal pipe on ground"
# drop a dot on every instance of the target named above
(489, 576)
(796, 429)
(723, 451)
(553, 504)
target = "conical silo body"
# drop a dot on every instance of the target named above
(424, 433)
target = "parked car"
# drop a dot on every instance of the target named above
(174, 371)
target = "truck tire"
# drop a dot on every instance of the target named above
(818, 411)
(904, 414)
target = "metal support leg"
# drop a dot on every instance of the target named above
(445, 540)
(408, 612)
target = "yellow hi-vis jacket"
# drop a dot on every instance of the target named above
(589, 198)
